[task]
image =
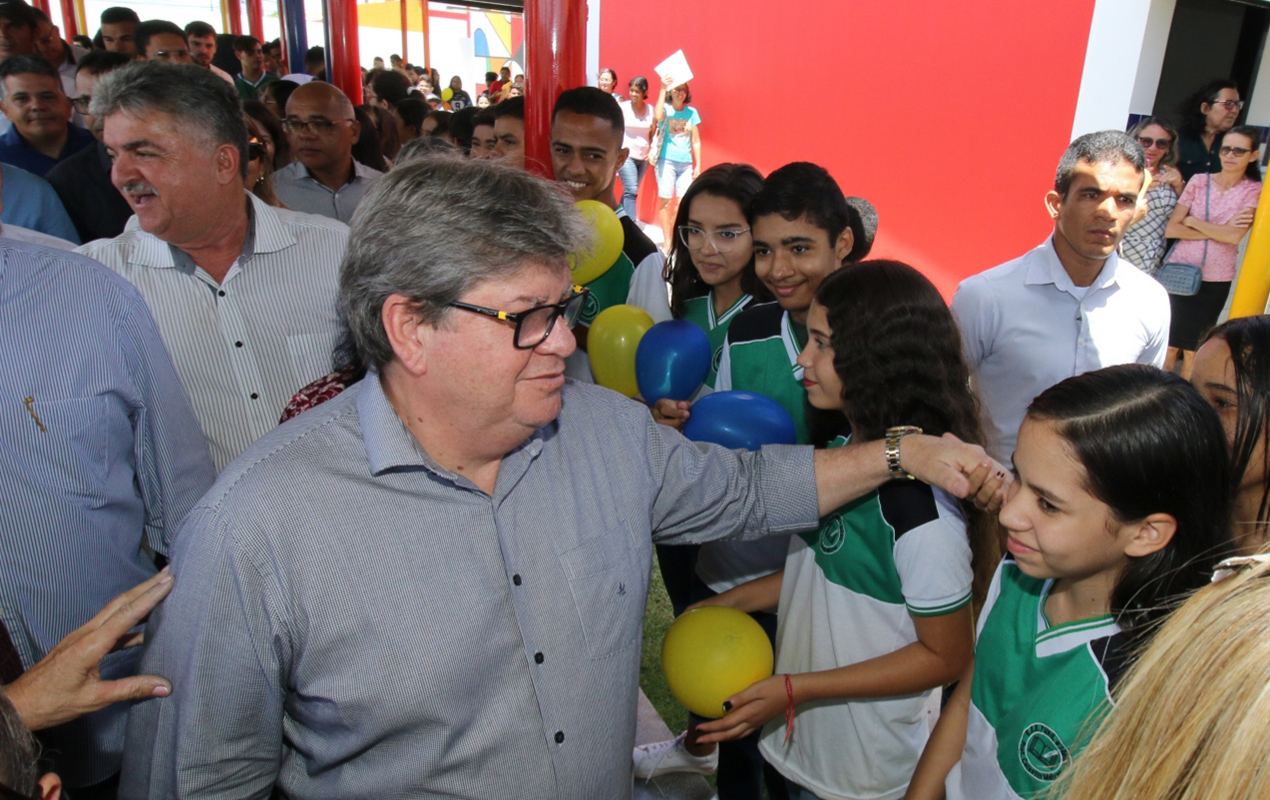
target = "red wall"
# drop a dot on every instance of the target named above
(948, 116)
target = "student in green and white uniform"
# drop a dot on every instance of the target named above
(875, 606)
(1121, 505)
(587, 130)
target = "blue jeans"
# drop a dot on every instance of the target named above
(631, 173)
(797, 792)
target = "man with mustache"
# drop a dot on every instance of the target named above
(1071, 305)
(243, 293)
(42, 134)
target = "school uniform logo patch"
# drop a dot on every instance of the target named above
(832, 535)
(718, 358)
(1041, 752)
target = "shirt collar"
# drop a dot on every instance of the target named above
(266, 233)
(1045, 268)
(360, 171)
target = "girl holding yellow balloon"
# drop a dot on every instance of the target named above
(875, 607)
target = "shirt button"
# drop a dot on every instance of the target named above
(538, 658)
(238, 344)
(221, 293)
(516, 580)
(255, 396)
(559, 737)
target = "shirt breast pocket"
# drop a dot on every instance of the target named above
(608, 593)
(64, 444)
(310, 357)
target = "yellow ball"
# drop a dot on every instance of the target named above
(605, 248)
(710, 654)
(611, 344)
(447, 94)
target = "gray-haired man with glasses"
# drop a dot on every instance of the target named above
(433, 585)
(325, 178)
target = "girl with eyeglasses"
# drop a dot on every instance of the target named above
(1212, 216)
(1206, 115)
(1144, 244)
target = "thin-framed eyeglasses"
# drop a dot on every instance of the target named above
(1237, 152)
(534, 325)
(725, 241)
(320, 127)
(1147, 141)
(1229, 104)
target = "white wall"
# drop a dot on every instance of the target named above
(1151, 62)
(1112, 59)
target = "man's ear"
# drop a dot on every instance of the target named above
(1053, 203)
(411, 338)
(622, 155)
(1151, 534)
(227, 160)
(846, 241)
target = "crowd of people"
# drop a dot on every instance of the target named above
(330, 361)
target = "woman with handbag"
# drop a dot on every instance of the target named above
(1144, 243)
(679, 157)
(1213, 214)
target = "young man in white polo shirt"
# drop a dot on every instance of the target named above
(1070, 305)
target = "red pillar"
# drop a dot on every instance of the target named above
(70, 24)
(345, 60)
(555, 60)
(235, 16)
(256, 20)
(405, 26)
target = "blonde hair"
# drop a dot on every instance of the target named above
(1190, 723)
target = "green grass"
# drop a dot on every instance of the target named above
(657, 618)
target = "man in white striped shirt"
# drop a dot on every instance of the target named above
(243, 293)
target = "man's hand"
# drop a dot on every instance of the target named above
(947, 462)
(989, 484)
(67, 683)
(672, 413)
(752, 708)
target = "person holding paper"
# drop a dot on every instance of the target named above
(679, 161)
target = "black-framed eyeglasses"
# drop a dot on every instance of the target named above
(1147, 141)
(7, 793)
(1237, 152)
(1229, 104)
(724, 241)
(255, 149)
(321, 127)
(534, 325)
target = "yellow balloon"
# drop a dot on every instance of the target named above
(607, 246)
(447, 93)
(611, 343)
(710, 654)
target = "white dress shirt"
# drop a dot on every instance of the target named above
(245, 346)
(1025, 326)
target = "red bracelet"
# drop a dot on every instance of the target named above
(789, 709)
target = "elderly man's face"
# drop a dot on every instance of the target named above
(482, 375)
(15, 39)
(48, 42)
(36, 106)
(321, 147)
(168, 48)
(165, 170)
(202, 48)
(117, 37)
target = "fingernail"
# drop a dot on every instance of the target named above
(987, 462)
(162, 691)
(727, 706)
(1000, 474)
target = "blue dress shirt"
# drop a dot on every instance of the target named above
(15, 150)
(31, 202)
(100, 456)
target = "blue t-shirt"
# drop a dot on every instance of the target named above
(679, 125)
(30, 202)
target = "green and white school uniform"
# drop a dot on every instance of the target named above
(760, 355)
(700, 311)
(849, 594)
(1038, 691)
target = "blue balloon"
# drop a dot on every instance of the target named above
(740, 421)
(672, 360)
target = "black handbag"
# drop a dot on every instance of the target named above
(1184, 279)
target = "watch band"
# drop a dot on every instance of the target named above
(893, 437)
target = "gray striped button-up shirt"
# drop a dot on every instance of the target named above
(351, 620)
(245, 346)
(99, 454)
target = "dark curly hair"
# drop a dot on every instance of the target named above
(897, 352)
(1194, 121)
(736, 182)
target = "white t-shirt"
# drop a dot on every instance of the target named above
(636, 138)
